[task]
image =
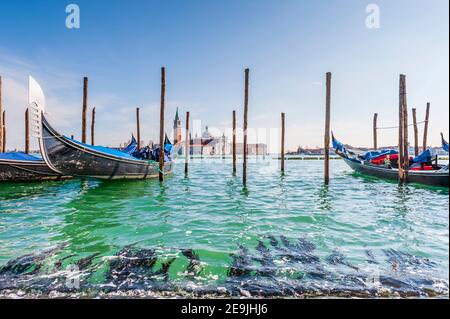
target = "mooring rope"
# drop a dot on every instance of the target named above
(156, 164)
(394, 127)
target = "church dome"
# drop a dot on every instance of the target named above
(206, 134)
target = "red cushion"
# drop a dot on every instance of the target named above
(378, 160)
(393, 157)
(425, 168)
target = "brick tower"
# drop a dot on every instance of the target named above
(176, 129)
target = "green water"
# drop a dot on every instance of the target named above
(211, 213)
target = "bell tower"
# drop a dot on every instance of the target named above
(176, 129)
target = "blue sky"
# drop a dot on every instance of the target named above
(288, 45)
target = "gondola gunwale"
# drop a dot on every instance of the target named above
(22, 162)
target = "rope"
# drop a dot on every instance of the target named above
(393, 127)
(156, 164)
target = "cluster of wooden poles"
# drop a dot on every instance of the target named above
(416, 130)
(245, 136)
(138, 129)
(403, 137)
(403, 129)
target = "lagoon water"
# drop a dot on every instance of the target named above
(281, 236)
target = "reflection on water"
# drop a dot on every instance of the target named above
(324, 198)
(283, 234)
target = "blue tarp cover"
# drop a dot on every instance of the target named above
(375, 154)
(132, 147)
(424, 157)
(338, 145)
(111, 151)
(102, 149)
(20, 156)
(168, 148)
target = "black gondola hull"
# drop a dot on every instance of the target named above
(432, 178)
(70, 158)
(26, 171)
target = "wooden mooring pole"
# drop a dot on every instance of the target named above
(138, 129)
(244, 167)
(1, 116)
(416, 133)
(84, 112)
(234, 142)
(27, 131)
(186, 146)
(405, 136)
(401, 128)
(327, 130)
(161, 124)
(425, 130)
(93, 127)
(375, 137)
(282, 141)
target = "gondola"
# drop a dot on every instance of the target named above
(67, 156)
(378, 164)
(23, 167)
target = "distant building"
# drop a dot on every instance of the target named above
(208, 144)
(177, 139)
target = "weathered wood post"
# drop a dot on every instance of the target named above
(406, 137)
(138, 129)
(416, 133)
(161, 124)
(84, 112)
(327, 129)
(4, 131)
(27, 131)
(425, 130)
(1, 116)
(93, 127)
(234, 142)
(244, 171)
(191, 149)
(282, 141)
(375, 137)
(401, 128)
(186, 146)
